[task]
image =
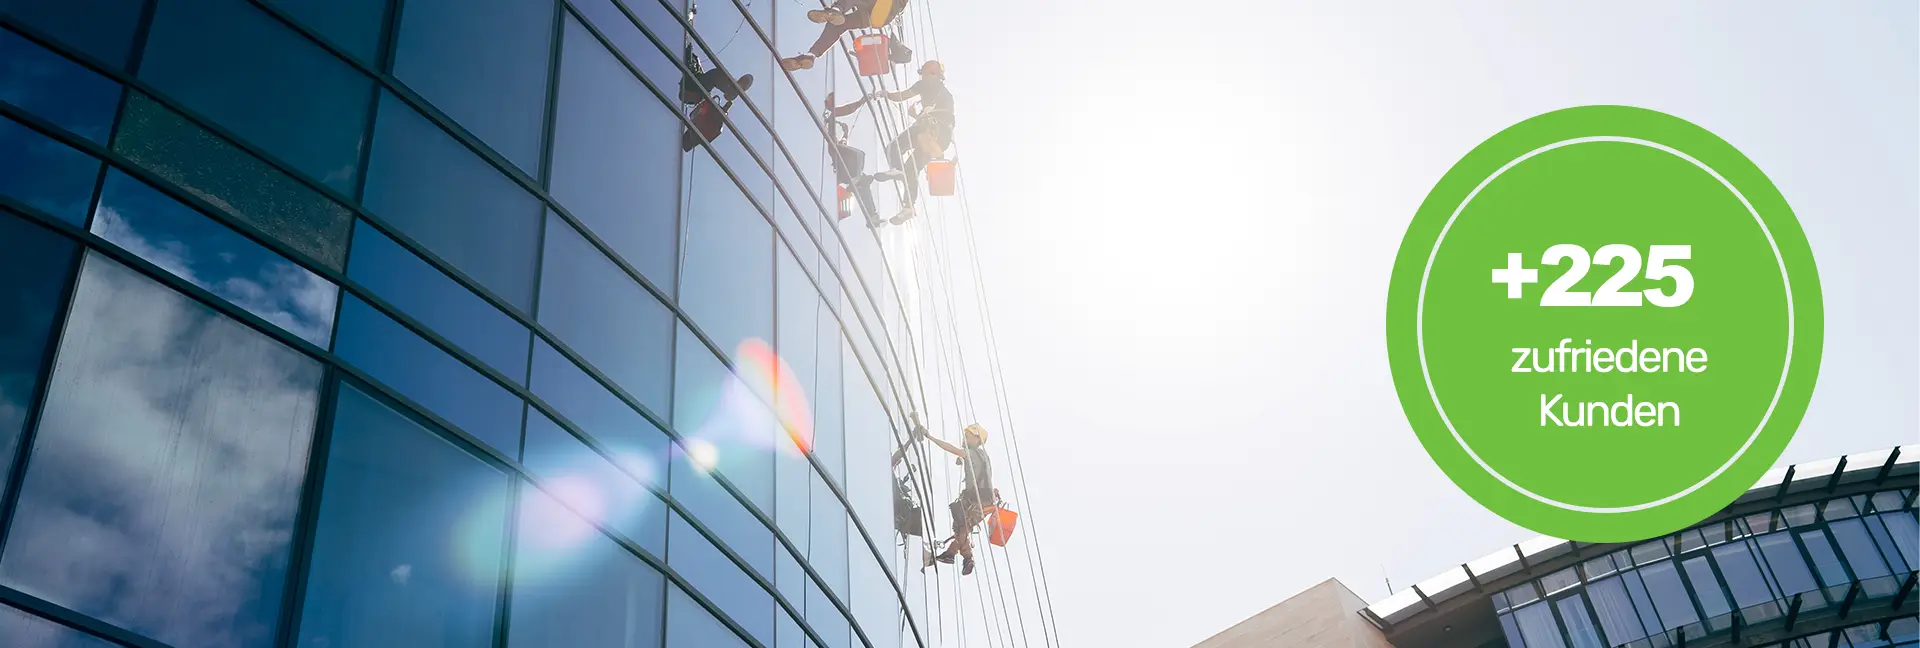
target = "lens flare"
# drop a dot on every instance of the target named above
(769, 376)
(703, 454)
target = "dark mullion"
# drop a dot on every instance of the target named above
(509, 559)
(306, 526)
(65, 616)
(37, 400)
(143, 29)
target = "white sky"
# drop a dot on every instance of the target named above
(1189, 212)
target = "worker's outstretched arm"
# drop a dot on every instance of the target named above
(918, 430)
(903, 95)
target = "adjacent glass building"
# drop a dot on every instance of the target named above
(1816, 555)
(346, 323)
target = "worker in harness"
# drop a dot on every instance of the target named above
(845, 16)
(849, 163)
(976, 492)
(906, 511)
(927, 139)
(696, 90)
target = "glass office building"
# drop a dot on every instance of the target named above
(344, 323)
(1816, 555)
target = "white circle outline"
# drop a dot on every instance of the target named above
(1421, 309)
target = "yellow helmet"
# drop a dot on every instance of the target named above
(933, 67)
(974, 430)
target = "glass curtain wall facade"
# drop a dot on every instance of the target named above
(409, 323)
(1805, 560)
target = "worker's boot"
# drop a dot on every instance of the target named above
(797, 62)
(830, 17)
(906, 214)
(966, 565)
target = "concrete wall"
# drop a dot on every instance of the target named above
(1323, 616)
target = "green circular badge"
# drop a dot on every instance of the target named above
(1604, 323)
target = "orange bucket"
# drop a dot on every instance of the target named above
(845, 196)
(940, 177)
(1000, 525)
(870, 51)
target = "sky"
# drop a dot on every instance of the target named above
(1188, 214)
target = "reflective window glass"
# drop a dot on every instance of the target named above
(1801, 515)
(828, 550)
(1615, 609)
(614, 24)
(56, 89)
(1838, 509)
(102, 29)
(689, 624)
(592, 487)
(1559, 580)
(720, 580)
(796, 342)
(714, 408)
(437, 301)
(876, 605)
(1743, 575)
(416, 368)
(1706, 587)
(233, 181)
(1649, 552)
(1538, 628)
(218, 413)
(715, 508)
(639, 447)
(1905, 532)
(727, 282)
(598, 310)
(483, 63)
(211, 255)
(790, 580)
(1669, 594)
(1825, 561)
(1889, 547)
(574, 587)
(230, 61)
(1859, 549)
(410, 538)
(789, 633)
(28, 631)
(1642, 603)
(869, 478)
(616, 164)
(352, 25)
(826, 620)
(455, 204)
(45, 174)
(1783, 561)
(1580, 630)
(1887, 500)
(1511, 631)
(829, 428)
(35, 268)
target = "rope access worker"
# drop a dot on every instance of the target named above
(845, 16)
(906, 511)
(928, 137)
(696, 90)
(976, 492)
(849, 163)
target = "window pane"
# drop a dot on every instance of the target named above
(714, 407)
(230, 61)
(627, 39)
(639, 447)
(602, 314)
(1742, 574)
(169, 513)
(727, 284)
(689, 624)
(1785, 564)
(1888, 548)
(1643, 604)
(35, 266)
(234, 181)
(56, 89)
(25, 630)
(102, 29)
(574, 587)
(437, 301)
(1859, 549)
(706, 501)
(592, 487)
(352, 25)
(45, 174)
(876, 606)
(828, 553)
(410, 537)
(484, 63)
(1511, 631)
(720, 580)
(826, 620)
(1537, 627)
(1832, 572)
(616, 160)
(1906, 536)
(1616, 612)
(439, 193)
(1706, 588)
(1669, 595)
(1579, 625)
(211, 255)
(423, 372)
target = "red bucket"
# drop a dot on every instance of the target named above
(1000, 525)
(940, 177)
(870, 50)
(845, 197)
